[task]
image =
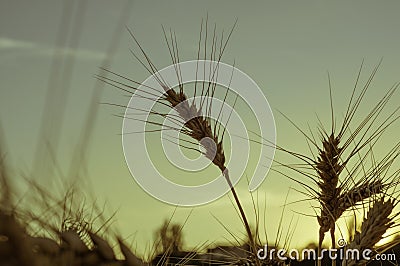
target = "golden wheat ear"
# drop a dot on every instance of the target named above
(379, 219)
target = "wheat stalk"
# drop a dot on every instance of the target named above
(337, 197)
(196, 123)
(338, 169)
(199, 128)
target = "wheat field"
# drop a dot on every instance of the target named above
(338, 168)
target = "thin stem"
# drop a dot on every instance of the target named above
(333, 244)
(319, 261)
(225, 173)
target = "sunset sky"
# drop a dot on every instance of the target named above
(286, 47)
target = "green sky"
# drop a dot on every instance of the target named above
(287, 47)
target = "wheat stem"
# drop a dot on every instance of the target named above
(244, 218)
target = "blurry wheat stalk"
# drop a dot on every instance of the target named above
(63, 233)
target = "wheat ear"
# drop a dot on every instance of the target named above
(199, 128)
(374, 226)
